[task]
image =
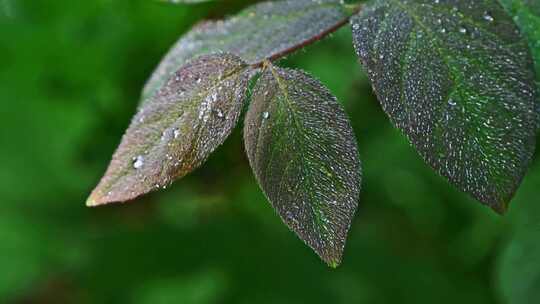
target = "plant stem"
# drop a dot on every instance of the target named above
(354, 9)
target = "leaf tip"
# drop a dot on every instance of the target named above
(501, 208)
(95, 200)
(91, 202)
(500, 204)
(331, 256)
(334, 263)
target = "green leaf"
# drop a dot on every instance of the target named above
(519, 264)
(173, 133)
(303, 152)
(458, 79)
(257, 33)
(520, 268)
(527, 16)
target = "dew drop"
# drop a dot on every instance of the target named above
(138, 162)
(219, 113)
(487, 16)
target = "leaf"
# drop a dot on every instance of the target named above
(457, 78)
(527, 16)
(518, 270)
(177, 129)
(257, 33)
(302, 150)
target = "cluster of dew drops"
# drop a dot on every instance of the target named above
(138, 161)
(206, 109)
(486, 16)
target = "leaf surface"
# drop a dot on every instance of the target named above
(172, 134)
(257, 33)
(526, 14)
(303, 152)
(458, 79)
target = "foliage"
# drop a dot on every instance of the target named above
(457, 78)
(186, 120)
(70, 81)
(303, 152)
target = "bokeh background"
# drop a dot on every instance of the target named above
(70, 76)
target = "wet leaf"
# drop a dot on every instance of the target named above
(259, 32)
(526, 14)
(457, 78)
(303, 152)
(173, 133)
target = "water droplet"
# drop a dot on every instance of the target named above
(487, 16)
(219, 113)
(138, 162)
(266, 115)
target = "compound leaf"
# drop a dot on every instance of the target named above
(258, 32)
(173, 133)
(303, 152)
(458, 79)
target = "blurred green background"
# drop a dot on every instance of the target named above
(70, 78)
